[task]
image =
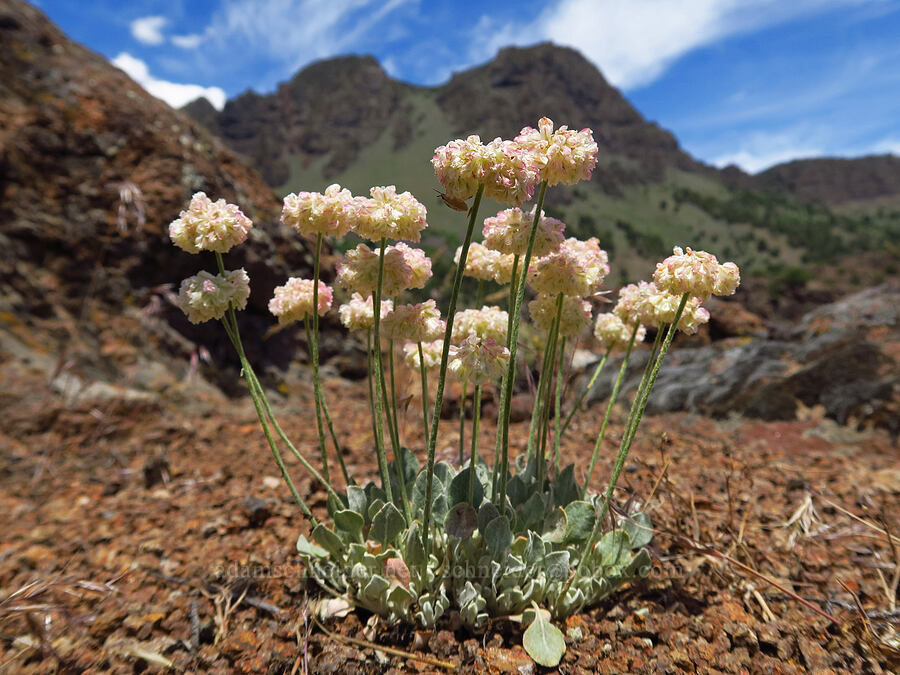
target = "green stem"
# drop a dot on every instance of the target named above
(314, 350)
(513, 347)
(473, 459)
(479, 294)
(559, 386)
(513, 281)
(609, 406)
(629, 438)
(334, 440)
(462, 422)
(424, 377)
(399, 459)
(545, 391)
(442, 375)
(379, 377)
(370, 379)
(584, 392)
(645, 376)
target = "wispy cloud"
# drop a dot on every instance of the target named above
(174, 93)
(761, 150)
(148, 29)
(189, 41)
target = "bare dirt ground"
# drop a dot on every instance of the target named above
(158, 537)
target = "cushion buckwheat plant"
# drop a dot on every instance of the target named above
(486, 535)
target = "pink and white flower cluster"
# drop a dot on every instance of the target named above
(576, 268)
(487, 322)
(206, 296)
(388, 215)
(293, 301)
(509, 230)
(696, 273)
(486, 264)
(404, 268)
(612, 332)
(645, 303)
(314, 213)
(562, 156)
(416, 323)
(358, 314)
(478, 360)
(431, 351)
(209, 226)
(574, 318)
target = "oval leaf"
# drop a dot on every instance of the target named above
(581, 521)
(387, 524)
(461, 521)
(544, 642)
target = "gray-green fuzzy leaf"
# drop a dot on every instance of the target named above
(544, 642)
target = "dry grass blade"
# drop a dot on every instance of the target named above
(430, 660)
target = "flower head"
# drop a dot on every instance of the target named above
(659, 310)
(485, 264)
(577, 268)
(389, 215)
(508, 173)
(478, 360)
(293, 301)
(209, 226)
(205, 296)
(432, 351)
(728, 279)
(487, 322)
(404, 267)
(509, 230)
(358, 313)
(632, 303)
(562, 156)
(692, 272)
(612, 332)
(574, 319)
(312, 213)
(417, 323)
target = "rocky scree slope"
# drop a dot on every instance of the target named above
(92, 170)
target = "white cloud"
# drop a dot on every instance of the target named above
(887, 146)
(761, 150)
(189, 41)
(173, 93)
(633, 42)
(148, 29)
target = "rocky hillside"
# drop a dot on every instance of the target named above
(92, 170)
(345, 120)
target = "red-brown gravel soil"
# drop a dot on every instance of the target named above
(157, 537)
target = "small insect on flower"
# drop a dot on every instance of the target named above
(453, 202)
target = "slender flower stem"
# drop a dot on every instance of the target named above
(314, 351)
(584, 392)
(399, 459)
(513, 281)
(645, 376)
(609, 406)
(370, 378)
(545, 390)
(479, 294)
(462, 422)
(559, 386)
(379, 377)
(442, 375)
(473, 459)
(334, 440)
(629, 437)
(513, 345)
(424, 377)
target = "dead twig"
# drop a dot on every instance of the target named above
(430, 660)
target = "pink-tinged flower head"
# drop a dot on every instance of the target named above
(574, 319)
(577, 268)
(659, 310)
(419, 264)
(294, 300)
(358, 314)
(205, 296)
(509, 230)
(692, 272)
(457, 166)
(404, 267)
(313, 213)
(487, 322)
(561, 156)
(485, 264)
(612, 332)
(432, 351)
(632, 303)
(509, 174)
(390, 215)
(209, 226)
(728, 279)
(417, 323)
(478, 360)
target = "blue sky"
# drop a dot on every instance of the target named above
(754, 82)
